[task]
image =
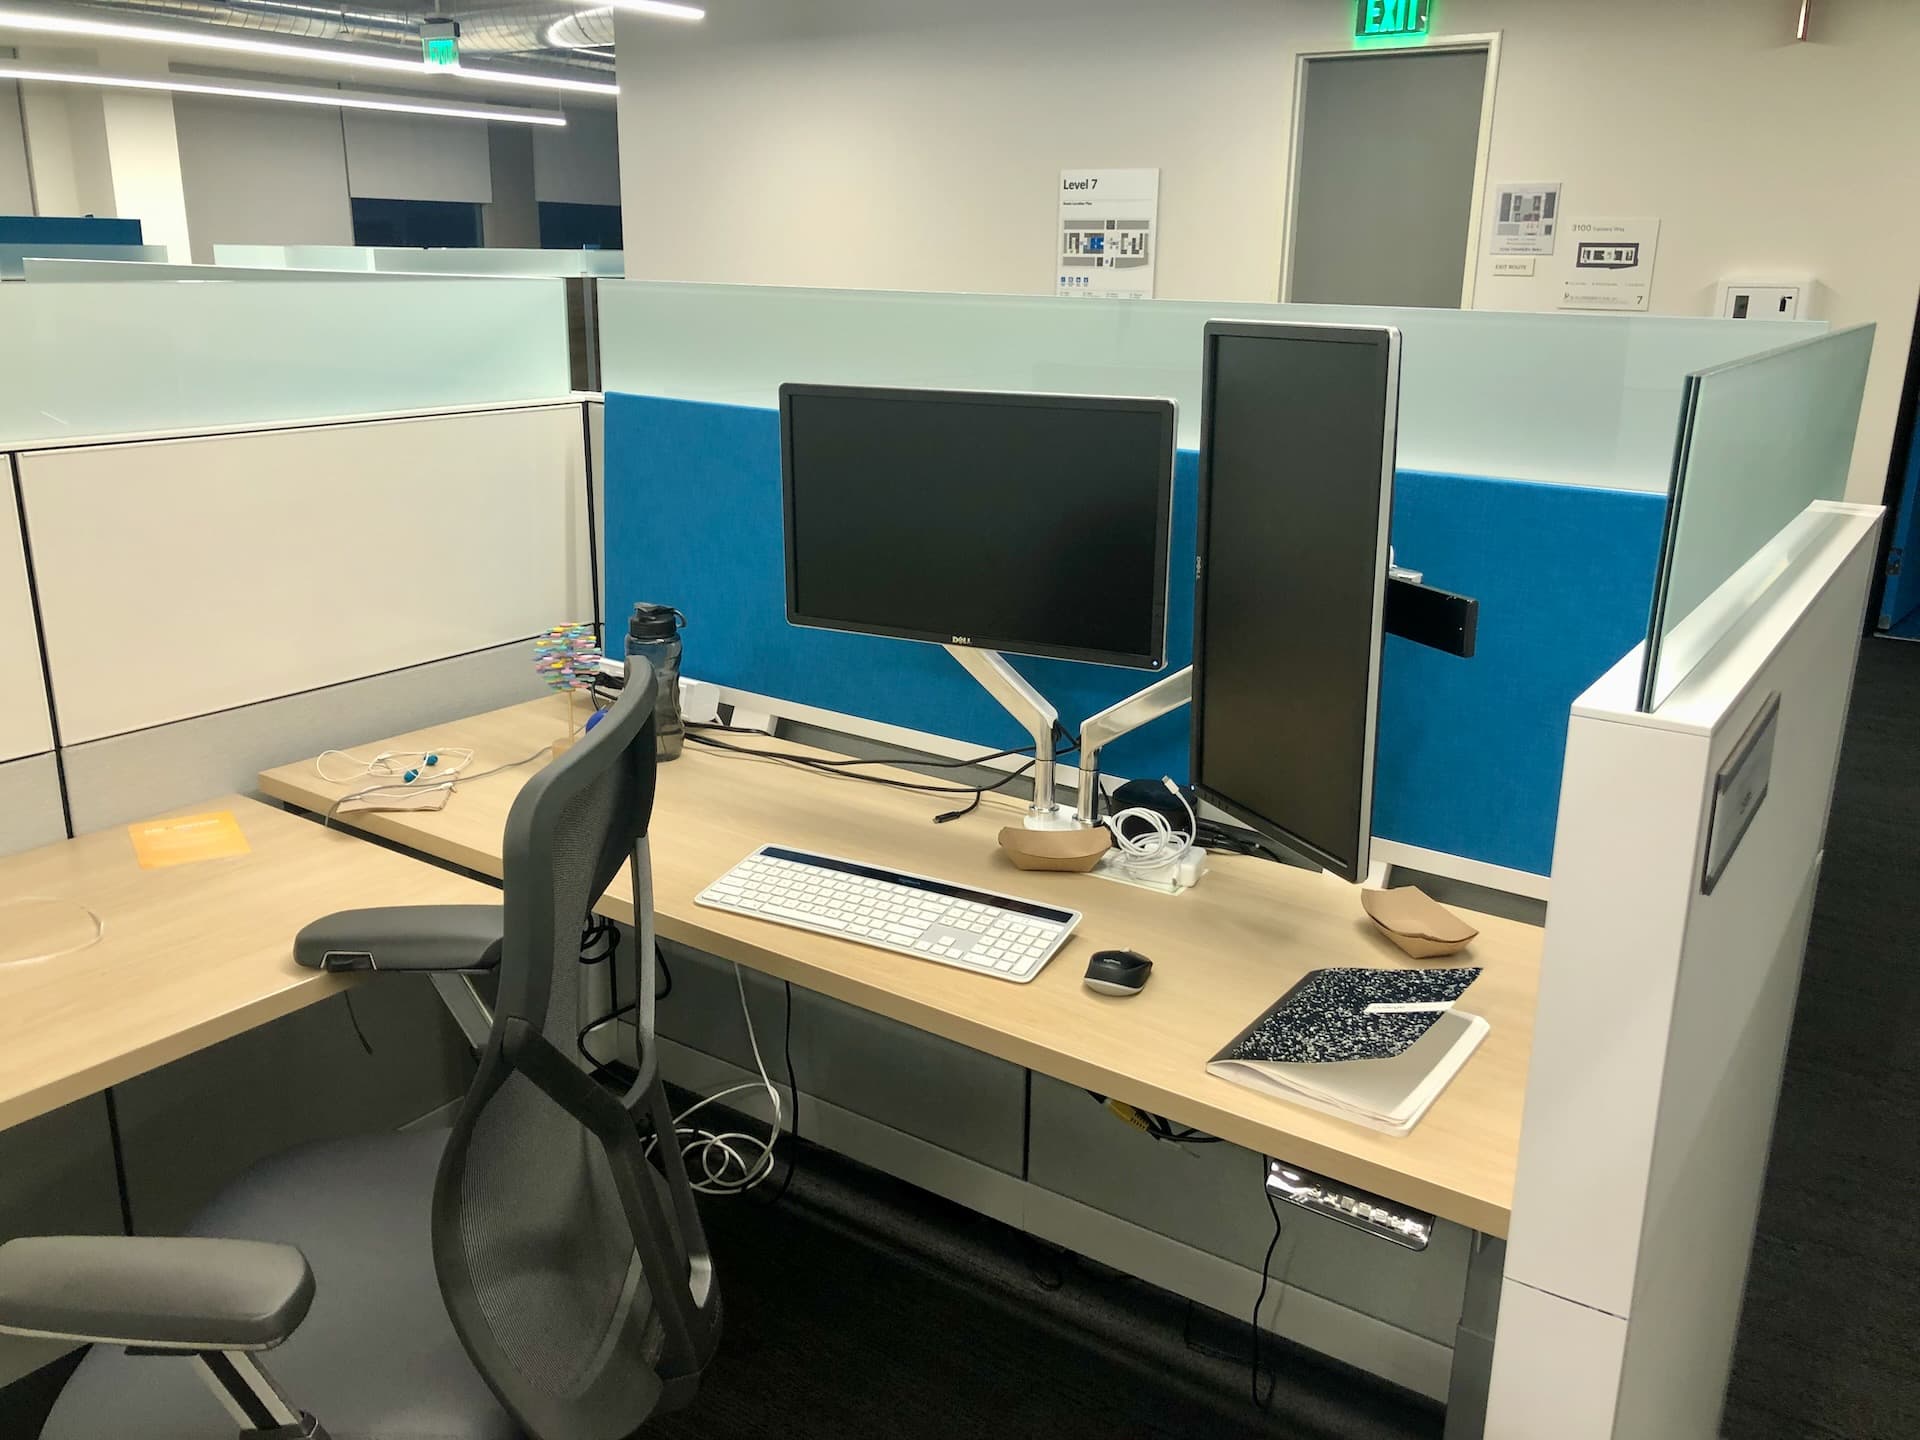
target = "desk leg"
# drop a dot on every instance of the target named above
(1473, 1340)
(469, 1011)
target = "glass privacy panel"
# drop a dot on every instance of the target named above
(86, 360)
(1576, 399)
(1761, 439)
(408, 261)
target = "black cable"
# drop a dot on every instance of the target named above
(793, 1097)
(354, 1017)
(1263, 1402)
(815, 762)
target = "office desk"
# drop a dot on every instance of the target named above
(1222, 952)
(190, 955)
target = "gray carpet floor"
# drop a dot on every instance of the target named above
(1829, 1343)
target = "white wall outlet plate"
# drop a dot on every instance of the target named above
(1777, 299)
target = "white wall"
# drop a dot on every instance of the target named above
(260, 174)
(915, 143)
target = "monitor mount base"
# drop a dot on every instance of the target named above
(1040, 720)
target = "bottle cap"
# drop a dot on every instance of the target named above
(654, 622)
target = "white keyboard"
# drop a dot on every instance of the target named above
(996, 935)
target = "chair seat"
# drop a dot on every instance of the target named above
(376, 1357)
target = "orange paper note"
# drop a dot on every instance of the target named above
(186, 839)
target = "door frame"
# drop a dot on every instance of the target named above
(1489, 42)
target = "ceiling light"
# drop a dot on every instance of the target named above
(315, 54)
(662, 8)
(289, 94)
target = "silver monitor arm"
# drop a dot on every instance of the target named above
(1161, 698)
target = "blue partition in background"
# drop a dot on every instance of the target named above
(68, 230)
(1470, 750)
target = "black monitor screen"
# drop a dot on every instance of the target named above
(1296, 463)
(1034, 524)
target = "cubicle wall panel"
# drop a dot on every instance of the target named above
(129, 777)
(181, 577)
(1738, 980)
(1212, 1198)
(1470, 750)
(24, 725)
(30, 812)
(190, 1128)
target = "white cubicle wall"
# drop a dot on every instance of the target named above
(265, 520)
(30, 811)
(214, 604)
(1667, 995)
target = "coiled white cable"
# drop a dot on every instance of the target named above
(728, 1162)
(1161, 845)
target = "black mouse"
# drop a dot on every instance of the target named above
(1118, 972)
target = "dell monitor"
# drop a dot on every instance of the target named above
(1296, 496)
(1035, 524)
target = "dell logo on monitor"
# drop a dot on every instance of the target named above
(963, 640)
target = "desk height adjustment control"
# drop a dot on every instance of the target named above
(1362, 1209)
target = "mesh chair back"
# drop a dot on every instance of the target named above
(574, 1270)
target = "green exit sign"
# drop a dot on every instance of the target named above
(1397, 19)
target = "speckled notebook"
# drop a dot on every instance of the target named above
(1375, 1047)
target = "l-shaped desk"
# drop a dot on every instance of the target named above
(1222, 952)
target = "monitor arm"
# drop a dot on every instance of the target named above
(1027, 705)
(1160, 698)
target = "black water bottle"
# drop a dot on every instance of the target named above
(653, 635)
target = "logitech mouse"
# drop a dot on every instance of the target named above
(1118, 972)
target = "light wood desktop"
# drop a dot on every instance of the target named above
(189, 955)
(1222, 952)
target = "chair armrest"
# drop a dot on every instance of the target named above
(152, 1292)
(417, 938)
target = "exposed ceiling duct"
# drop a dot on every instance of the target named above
(550, 32)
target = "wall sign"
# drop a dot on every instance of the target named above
(1525, 218)
(1608, 264)
(1373, 19)
(1106, 233)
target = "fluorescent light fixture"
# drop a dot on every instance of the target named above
(663, 8)
(210, 39)
(289, 94)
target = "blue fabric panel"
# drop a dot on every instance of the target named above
(693, 520)
(1469, 752)
(67, 230)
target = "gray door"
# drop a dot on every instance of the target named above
(1384, 178)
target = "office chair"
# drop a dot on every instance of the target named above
(528, 1273)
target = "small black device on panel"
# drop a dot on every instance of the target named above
(1296, 499)
(1436, 618)
(1032, 524)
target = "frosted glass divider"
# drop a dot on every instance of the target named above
(1577, 399)
(1761, 440)
(78, 361)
